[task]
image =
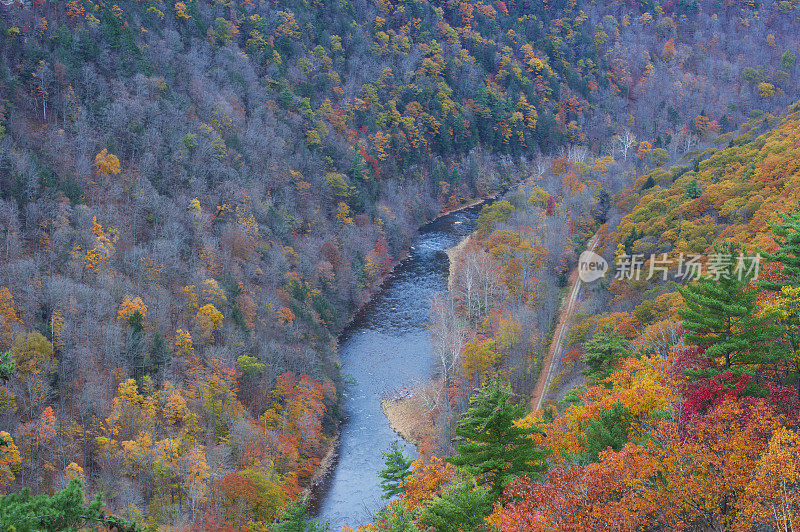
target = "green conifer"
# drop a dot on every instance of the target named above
(603, 352)
(491, 447)
(720, 315)
(787, 236)
(398, 467)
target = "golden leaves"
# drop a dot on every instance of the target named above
(343, 214)
(106, 163)
(130, 306)
(182, 347)
(180, 11)
(209, 319)
(10, 460)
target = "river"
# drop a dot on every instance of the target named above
(386, 350)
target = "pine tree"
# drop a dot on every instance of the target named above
(295, 518)
(398, 467)
(787, 236)
(490, 446)
(720, 316)
(6, 366)
(610, 429)
(157, 354)
(65, 510)
(462, 508)
(694, 190)
(785, 308)
(398, 518)
(603, 352)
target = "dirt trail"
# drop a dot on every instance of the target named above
(555, 352)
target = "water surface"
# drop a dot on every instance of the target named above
(386, 350)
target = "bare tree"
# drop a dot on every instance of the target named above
(623, 142)
(448, 335)
(576, 153)
(476, 282)
(540, 166)
(44, 79)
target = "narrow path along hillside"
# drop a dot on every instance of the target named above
(556, 351)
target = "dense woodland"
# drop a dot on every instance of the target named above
(195, 197)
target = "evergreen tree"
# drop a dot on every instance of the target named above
(6, 366)
(603, 352)
(490, 446)
(295, 518)
(398, 467)
(610, 429)
(720, 316)
(157, 354)
(397, 518)
(694, 190)
(135, 344)
(462, 508)
(787, 236)
(65, 510)
(786, 308)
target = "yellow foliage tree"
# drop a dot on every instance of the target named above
(137, 453)
(106, 163)
(479, 356)
(180, 11)
(343, 214)
(286, 316)
(774, 491)
(191, 297)
(644, 148)
(132, 412)
(603, 163)
(174, 408)
(33, 358)
(196, 474)
(130, 306)
(101, 253)
(426, 481)
(183, 344)
(209, 320)
(10, 460)
(73, 470)
(8, 315)
(57, 328)
(213, 294)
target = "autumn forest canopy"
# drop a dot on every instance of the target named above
(196, 197)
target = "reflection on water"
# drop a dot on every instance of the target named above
(385, 350)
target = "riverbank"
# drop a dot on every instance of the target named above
(454, 254)
(410, 417)
(471, 203)
(325, 465)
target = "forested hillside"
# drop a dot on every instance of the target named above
(687, 419)
(195, 198)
